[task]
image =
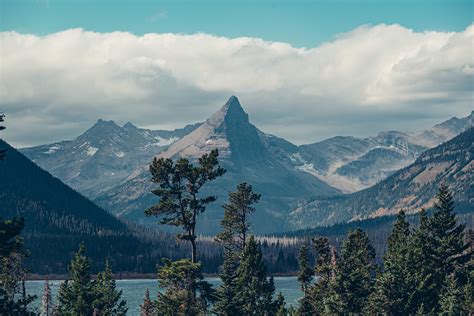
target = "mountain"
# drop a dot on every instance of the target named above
(103, 156)
(352, 164)
(411, 188)
(57, 219)
(246, 158)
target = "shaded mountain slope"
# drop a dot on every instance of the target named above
(411, 188)
(245, 157)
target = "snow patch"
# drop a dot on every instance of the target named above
(52, 149)
(165, 141)
(91, 151)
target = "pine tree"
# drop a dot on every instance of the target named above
(107, 298)
(392, 286)
(179, 185)
(255, 290)
(452, 298)
(180, 204)
(179, 280)
(76, 295)
(13, 297)
(148, 307)
(235, 227)
(354, 273)
(305, 277)
(423, 261)
(47, 306)
(235, 223)
(323, 298)
(448, 236)
(226, 293)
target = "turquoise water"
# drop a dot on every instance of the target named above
(134, 290)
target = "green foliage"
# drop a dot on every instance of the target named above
(107, 297)
(235, 222)
(354, 273)
(392, 286)
(255, 290)
(80, 295)
(305, 277)
(323, 297)
(452, 299)
(235, 227)
(76, 295)
(184, 289)
(179, 184)
(13, 297)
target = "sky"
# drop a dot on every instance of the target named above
(303, 70)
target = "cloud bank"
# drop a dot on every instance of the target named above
(370, 79)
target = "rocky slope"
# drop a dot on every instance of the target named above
(246, 158)
(103, 156)
(411, 188)
(352, 164)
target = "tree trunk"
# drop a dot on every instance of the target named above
(193, 250)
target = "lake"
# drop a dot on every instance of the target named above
(134, 290)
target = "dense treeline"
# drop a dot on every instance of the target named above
(426, 270)
(378, 229)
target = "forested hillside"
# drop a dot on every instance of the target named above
(411, 188)
(57, 219)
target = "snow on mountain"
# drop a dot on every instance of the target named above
(102, 156)
(246, 158)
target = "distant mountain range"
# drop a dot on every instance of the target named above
(246, 158)
(411, 188)
(57, 219)
(109, 163)
(103, 156)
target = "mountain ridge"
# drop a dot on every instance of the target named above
(411, 188)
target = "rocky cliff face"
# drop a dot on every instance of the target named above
(246, 158)
(103, 156)
(411, 188)
(352, 164)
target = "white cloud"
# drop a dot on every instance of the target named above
(372, 78)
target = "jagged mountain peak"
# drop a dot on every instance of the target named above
(224, 130)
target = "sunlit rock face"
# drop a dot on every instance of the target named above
(243, 151)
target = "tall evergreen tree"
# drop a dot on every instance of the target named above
(107, 297)
(452, 298)
(47, 307)
(323, 298)
(235, 226)
(392, 286)
(355, 271)
(305, 277)
(13, 297)
(76, 295)
(179, 185)
(235, 223)
(179, 280)
(255, 290)
(448, 236)
(422, 260)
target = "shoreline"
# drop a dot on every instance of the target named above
(128, 276)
